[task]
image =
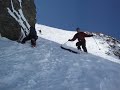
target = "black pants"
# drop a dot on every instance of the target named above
(33, 39)
(83, 44)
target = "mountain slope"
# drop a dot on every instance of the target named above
(96, 45)
(48, 67)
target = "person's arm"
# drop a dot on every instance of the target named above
(87, 35)
(74, 38)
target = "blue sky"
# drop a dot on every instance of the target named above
(90, 15)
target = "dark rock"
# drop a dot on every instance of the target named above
(9, 27)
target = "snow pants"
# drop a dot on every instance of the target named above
(33, 40)
(83, 44)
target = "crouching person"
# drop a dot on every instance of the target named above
(31, 36)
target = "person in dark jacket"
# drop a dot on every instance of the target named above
(81, 39)
(31, 36)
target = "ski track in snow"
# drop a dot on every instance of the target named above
(48, 67)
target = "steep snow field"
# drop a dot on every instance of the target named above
(95, 45)
(48, 67)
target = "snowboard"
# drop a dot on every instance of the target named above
(71, 49)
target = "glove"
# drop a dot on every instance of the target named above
(69, 39)
(91, 35)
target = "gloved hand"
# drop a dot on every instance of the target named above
(69, 39)
(91, 35)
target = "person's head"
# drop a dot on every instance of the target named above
(78, 29)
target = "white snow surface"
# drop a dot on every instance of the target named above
(48, 67)
(62, 36)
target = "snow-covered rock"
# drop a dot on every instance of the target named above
(16, 16)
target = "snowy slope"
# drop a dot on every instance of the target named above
(48, 67)
(62, 36)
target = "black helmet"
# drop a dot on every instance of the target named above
(78, 28)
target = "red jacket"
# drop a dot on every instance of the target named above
(80, 36)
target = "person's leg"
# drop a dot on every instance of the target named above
(78, 44)
(25, 39)
(84, 46)
(36, 38)
(33, 42)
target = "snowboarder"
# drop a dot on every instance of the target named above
(81, 39)
(31, 36)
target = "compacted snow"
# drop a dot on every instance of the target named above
(48, 67)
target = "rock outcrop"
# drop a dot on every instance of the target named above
(16, 17)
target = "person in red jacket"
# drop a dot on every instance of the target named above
(81, 39)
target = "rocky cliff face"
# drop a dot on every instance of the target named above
(16, 16)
